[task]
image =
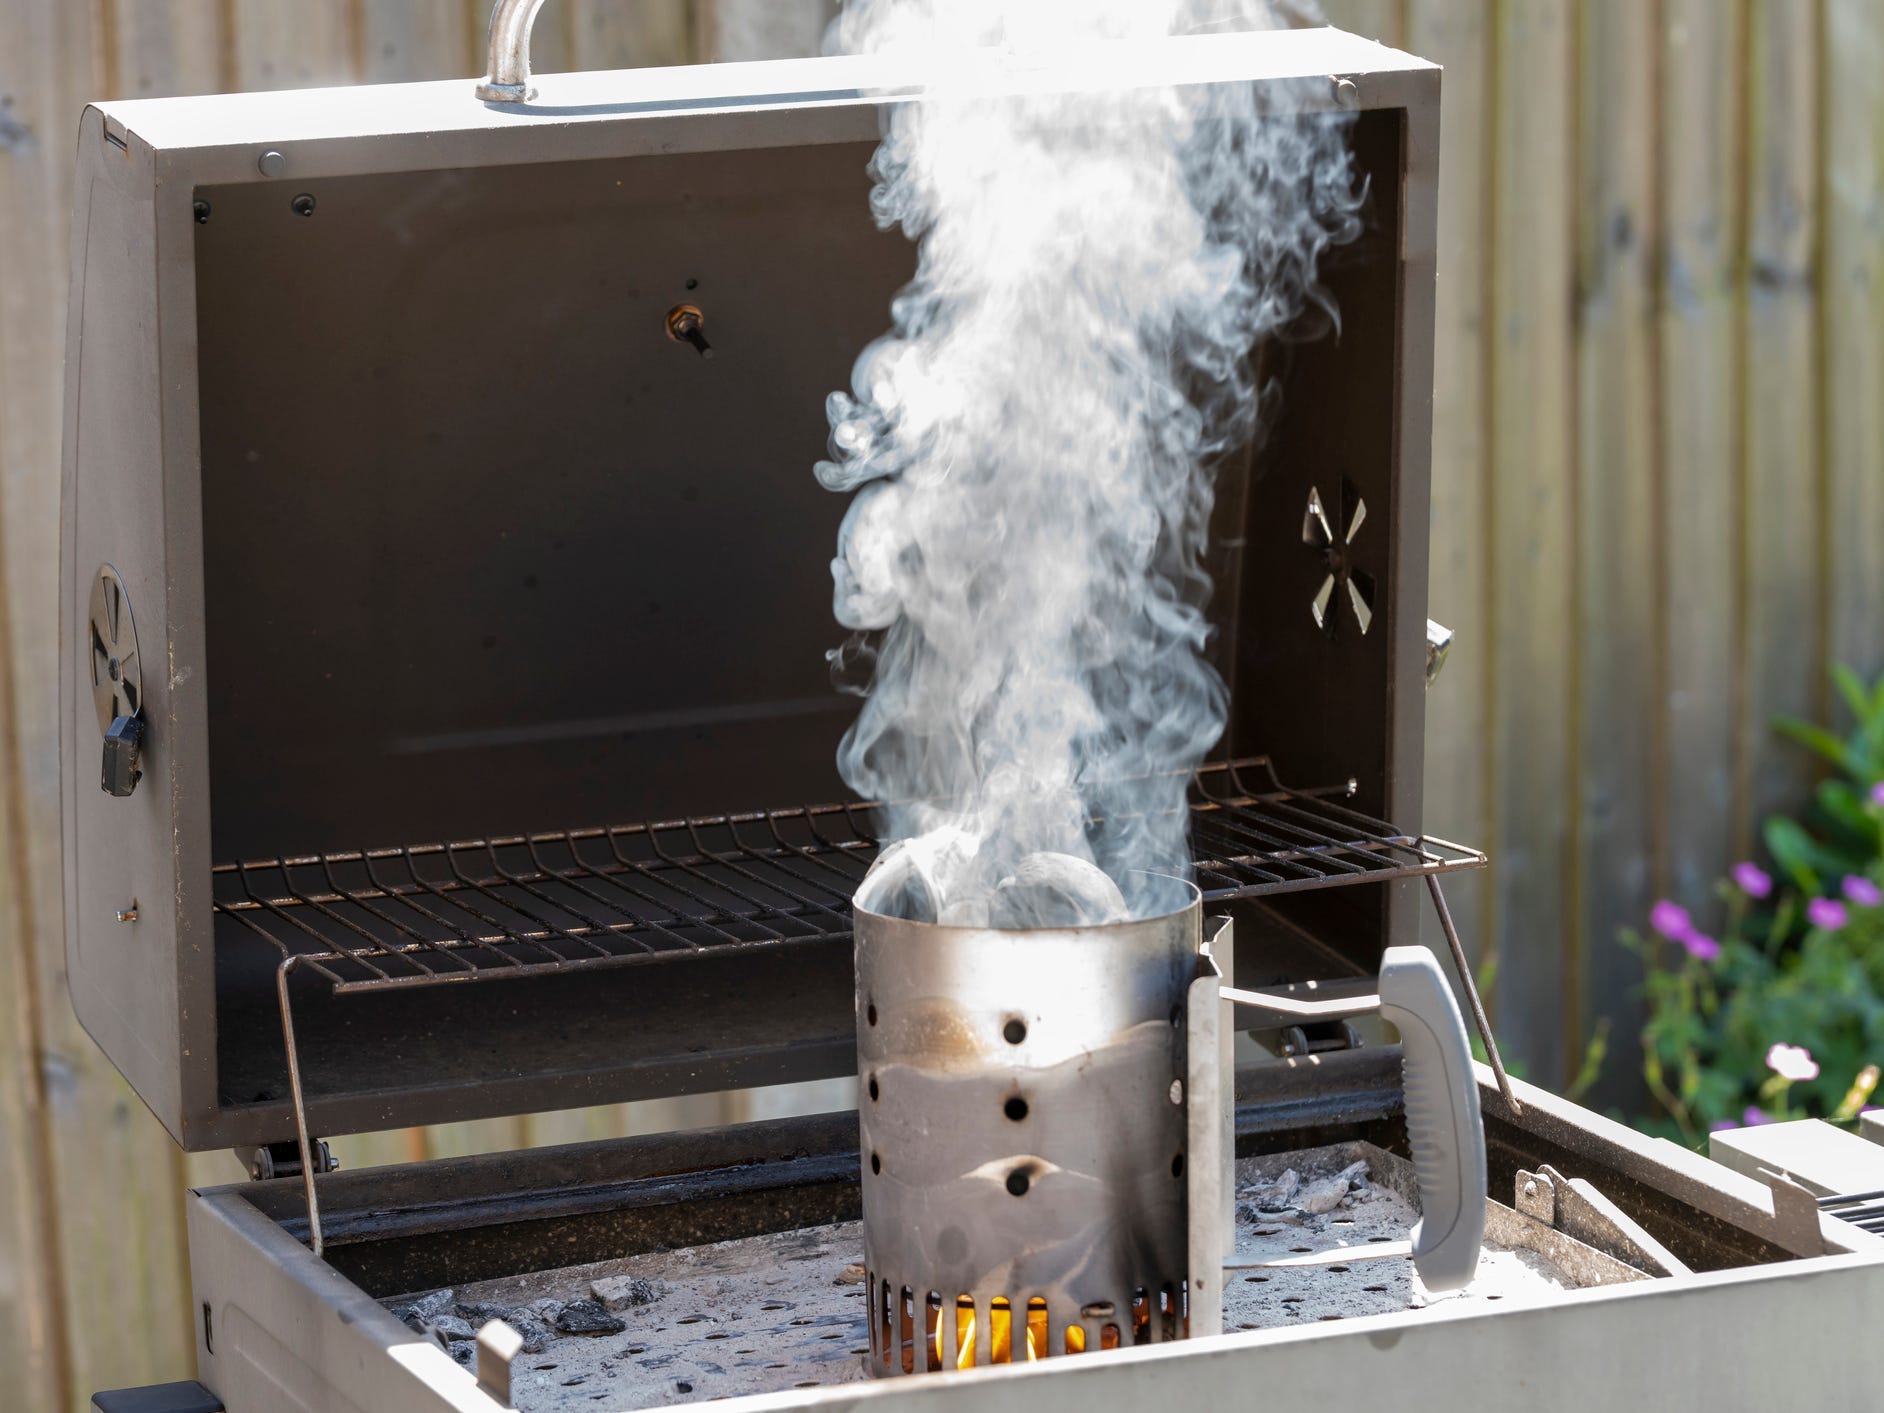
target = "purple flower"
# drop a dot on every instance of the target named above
(1793, 1062)
(1754, 1117)
(1671, 920)
(1863, 892)
(1720, 1124)
(1827, 913)
(1752, 880)
(1877, 793)
(1701, 947)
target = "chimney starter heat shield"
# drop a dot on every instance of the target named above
(1031, 1168)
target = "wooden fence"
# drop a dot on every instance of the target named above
(1658, 512)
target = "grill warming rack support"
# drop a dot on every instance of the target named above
(582, 899)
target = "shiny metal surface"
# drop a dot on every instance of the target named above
(509, 78)
(1022, 1097)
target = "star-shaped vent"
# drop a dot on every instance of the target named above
(1343, 579)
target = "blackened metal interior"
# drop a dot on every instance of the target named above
(415, 1227)
(462, 586)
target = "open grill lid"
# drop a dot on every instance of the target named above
(431, 529)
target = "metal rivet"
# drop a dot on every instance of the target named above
(1346, 94)
(1177, 1091)
(1017, 1182)
(302, 205)
(201, 209)
(1014, 1031)
(271, 164)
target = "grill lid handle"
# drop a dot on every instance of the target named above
(509, 74)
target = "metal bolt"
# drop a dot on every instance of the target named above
(201, 208)
(271, 164)
(684, 325)
(128, 914)
(302, 205)
(1346, 94)
(1177, 1091)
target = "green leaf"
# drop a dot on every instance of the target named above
(1794, 851)
(1593, 1056)
(1857, 826)
(1819, 741)
(1857, 696)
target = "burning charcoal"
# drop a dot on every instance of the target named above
(917, 878)
(588, 1317)
(1056, 890)
(620, 1292)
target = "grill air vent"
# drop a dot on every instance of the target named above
(1342, 579)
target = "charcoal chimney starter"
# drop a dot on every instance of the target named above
(1025, 1102)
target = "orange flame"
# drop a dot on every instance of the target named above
(1000, 1333)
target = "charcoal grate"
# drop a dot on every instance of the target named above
(524, 905)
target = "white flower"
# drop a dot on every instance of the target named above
(1792, 1062)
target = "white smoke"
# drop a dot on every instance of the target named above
(1032, 443)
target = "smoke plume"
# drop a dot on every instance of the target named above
(1031, 443)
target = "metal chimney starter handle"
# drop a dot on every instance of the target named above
(509, 80)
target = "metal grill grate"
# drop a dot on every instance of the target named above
(581, 898)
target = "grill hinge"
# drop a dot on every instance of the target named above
(279, 1160)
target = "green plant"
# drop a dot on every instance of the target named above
(1783, 1015)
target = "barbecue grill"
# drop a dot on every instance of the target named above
(446, 634)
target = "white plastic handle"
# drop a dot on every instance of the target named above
(1444, 1126)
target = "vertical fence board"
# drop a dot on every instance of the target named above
(416, 39)
(112, 1178)
(1533, 511)
(1851, 105)
(32, 1335)
(1456, 33)
(1702, 116)
(160, 51)
(762, 29)
(1782, 648)
(610, 35)
(1384, 20)
(1617, 633)
(291, 46)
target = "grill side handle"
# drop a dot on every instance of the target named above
(508, 79)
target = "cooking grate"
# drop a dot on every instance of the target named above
(582, 898)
